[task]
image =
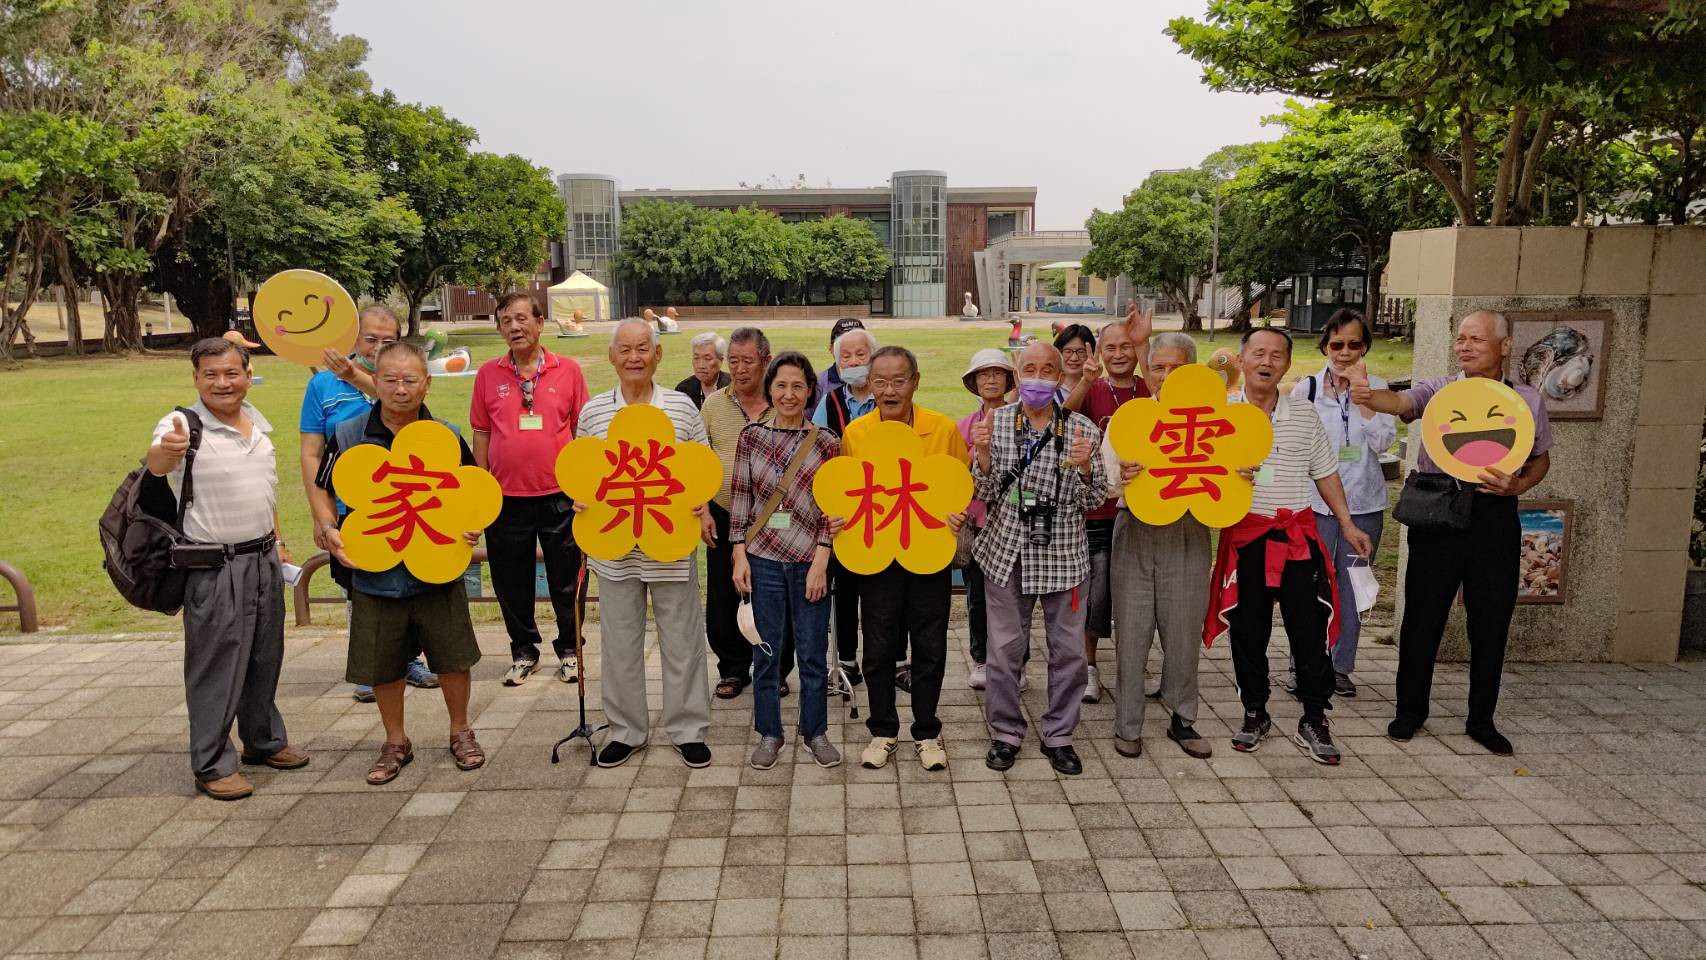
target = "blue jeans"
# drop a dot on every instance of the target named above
(1350, 622)
(779, 599)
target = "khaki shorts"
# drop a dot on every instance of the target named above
(387, 632)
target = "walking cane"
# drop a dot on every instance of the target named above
(582, 732)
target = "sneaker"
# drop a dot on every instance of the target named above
(519, 671)
(1313, 738)
(977, 676)
(1093, 686)
(877, 753)
(1343, 685)
(616, 753)
(363, 694)
(1152, 692)
(823, 752)
(1001, 755)
(1188, 739)
(419, 676)
(1400, 732)
(568, 669)
(764, 755)
(1064, 760)
(1256, 728)
(903, 677)
(851, 668)
(931, 755)
(1493, 740)
(694, 754)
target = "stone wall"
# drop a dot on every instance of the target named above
(1631, 473)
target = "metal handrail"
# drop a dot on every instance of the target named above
(26, 606)
(302, 603)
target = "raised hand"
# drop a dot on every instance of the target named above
(1092, 366)
(1078, 455)
(1139, 323)
(169, 450)
(982, 429)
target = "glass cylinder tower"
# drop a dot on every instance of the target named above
(918, 217)
(593, 223)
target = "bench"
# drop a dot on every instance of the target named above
(25, 608)
(303, 601)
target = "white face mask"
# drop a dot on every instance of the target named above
(855, 377)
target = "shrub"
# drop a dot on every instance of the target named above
(696, 297)
(857, 294)
(836, 295)
(672, 295)
(713, 297)
(746, 298)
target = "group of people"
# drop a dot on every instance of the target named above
(1048, 528)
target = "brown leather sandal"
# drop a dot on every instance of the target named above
(393, 757)
(729, 688)
(466, 750)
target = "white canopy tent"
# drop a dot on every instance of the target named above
(583, 293)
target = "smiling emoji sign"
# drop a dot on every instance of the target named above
(1474, 424)
(301, 313)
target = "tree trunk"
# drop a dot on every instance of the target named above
(415, 299)
(1466, 159)
(68, 283)
(122, 291)
(14, 322)
(1507, 166)
(1685, 176)
(1376, 260)
(1524, 203)
(1453, 189)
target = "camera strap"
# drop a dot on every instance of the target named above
(1017, 474)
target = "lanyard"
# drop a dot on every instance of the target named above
(1054, 432)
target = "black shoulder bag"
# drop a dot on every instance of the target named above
(1434, 503)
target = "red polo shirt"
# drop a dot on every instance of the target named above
(524, 461)
(1100, 402)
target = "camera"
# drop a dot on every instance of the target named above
(1039, 521)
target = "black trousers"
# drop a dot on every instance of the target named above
(524, 524)
(896, 604)
(1482, 561)
(845, 585)
(977, 621)
(1305, 617)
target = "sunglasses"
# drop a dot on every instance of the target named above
(1345, 345)
(527, 395)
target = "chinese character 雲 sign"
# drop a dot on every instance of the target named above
(411, 504)
(896, 502)
(1191, 442)
(640, 487)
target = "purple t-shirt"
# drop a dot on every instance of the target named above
(1424, 390)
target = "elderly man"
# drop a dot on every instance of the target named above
(1032, 464)
(708, 374)
(525, 407)
(1117, 347)
(1276, 553)
(846, 398)
(234, 599)
(896, 602)
(333, 396)
(726, 413)
(395, 616)
(1159, 579)
(624, 584)
(1481, 561)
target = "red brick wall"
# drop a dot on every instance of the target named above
(968, 232)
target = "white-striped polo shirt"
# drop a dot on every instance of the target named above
(595, 422)
(1302, 454)
(236, 478)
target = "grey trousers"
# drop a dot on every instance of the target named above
(681, 648)
(1160, 582)
(1009, 617)
(233, 651)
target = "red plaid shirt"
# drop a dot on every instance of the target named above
(761, 457)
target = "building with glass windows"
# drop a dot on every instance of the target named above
(594, 218)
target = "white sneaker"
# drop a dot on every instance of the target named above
(568, 669)
(932, 755)
(1093, 686)
(877, 753)
(976, 678)
(519, 671)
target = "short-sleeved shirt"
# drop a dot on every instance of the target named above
(724, 420)
(837, 399)
(524, 461)
(940, 435)
(595, 422)
(1301, 455)
(1365, 484)
(1100, 402)
(327, 402)
(1424, 390)
(236, 478)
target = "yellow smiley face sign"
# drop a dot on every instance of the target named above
(301, 313)
(1475, 424)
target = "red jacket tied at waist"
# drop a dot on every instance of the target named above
(1297, 531)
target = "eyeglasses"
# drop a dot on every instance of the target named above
(1075, 352)
(395, 382)
(883, 383)
(374, 341)
(1345, 345)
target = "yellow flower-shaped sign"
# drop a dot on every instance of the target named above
(640, 486)
(896, 502)
(1192, 442)
(411, 504)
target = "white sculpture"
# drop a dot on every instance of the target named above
(969, 311)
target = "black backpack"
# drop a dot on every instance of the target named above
(137, 542)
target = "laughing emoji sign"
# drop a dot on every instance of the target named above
(1475, 424)
(300, 313)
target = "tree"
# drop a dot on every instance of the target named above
(653, 250)
(1161, 237)
(749, 248)
(514, 209)
(839, 250)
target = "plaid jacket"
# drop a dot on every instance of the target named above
(1065, 561)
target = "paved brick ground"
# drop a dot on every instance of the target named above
(1591, 843)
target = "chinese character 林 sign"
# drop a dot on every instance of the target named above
(1192, 442)
(896, 502)
(411, 504)
(640, 487)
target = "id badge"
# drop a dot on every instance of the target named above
(1265, 474)
(531, 421)
(780, 520)
(1350, 453)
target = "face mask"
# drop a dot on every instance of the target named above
(855, 377)
(1035, 393)
(364, 362)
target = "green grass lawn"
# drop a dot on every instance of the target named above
(73, 427)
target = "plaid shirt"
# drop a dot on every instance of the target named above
(1064, 561)
(761, 457)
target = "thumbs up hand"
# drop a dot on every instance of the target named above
(982, 429)
(169, 450)
(1078, 455)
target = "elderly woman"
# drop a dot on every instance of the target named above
(709, 351)
(989, 378)
(781, 555)
(1081, 367)
(1359, 435)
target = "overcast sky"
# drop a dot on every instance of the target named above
(1081, 100)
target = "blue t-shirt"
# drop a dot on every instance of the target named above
(328, 402)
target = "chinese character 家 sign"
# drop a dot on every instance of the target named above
(1191, 442)
(896, 502)
(640, 487)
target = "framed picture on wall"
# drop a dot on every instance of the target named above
(1543, 570)
(1563, 354)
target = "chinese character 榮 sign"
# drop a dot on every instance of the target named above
(640, 487)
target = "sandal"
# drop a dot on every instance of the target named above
(466, 750)
(729, 688)
(393, 757)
